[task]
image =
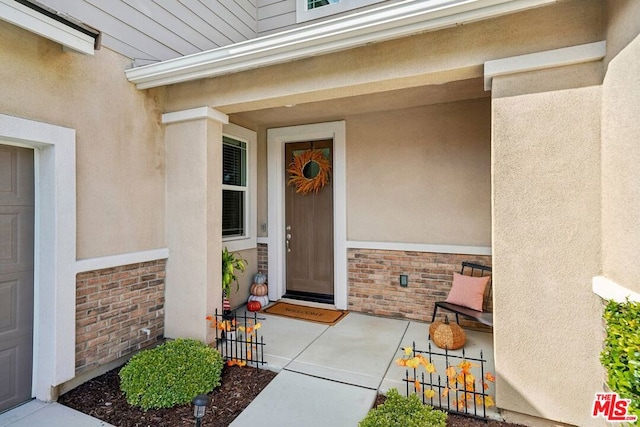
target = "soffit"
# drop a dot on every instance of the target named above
(338, 109)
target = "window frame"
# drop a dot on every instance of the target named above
(249, 239)
(303, 14)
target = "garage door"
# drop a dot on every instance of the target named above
(16, 274)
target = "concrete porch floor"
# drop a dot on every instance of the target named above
(330, 375)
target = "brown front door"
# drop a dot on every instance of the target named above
(16, 274)
(309, 229)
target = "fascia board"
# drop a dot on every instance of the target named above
(35, 22)
(380, 24)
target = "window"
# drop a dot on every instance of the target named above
(306, 10)
(238, 188)
(313, 4)
(234, 187)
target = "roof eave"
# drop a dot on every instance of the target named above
(380, 24)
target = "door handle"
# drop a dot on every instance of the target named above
(287, 241)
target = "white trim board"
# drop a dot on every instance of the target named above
(276, 140)
(195, 114)
(99, 263)
(609, 290)
(55, 248)
(35, 22)
(542, 60)
(386, 22)
(420, 247)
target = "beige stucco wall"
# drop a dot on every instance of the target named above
(546, 249)
(620, 174)
(622, 26)
(119, 140)
(421, 175)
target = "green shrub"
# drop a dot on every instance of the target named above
(400, 411)
(171, 374)
(621, 354)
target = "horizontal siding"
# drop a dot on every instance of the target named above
(211, 36)
(156, 30)
(221, 18)
(276, 15)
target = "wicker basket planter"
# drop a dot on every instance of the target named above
(447, 335)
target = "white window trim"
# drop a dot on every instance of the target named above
(249, 240)
(303, 14)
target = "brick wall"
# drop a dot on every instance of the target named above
(374, 282)
(112, 306)
(263, 258)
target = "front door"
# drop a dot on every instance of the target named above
(16, 274)
(309, 221)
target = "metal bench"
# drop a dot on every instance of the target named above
(484, 317)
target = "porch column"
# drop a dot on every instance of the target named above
(193, 144)
(546, 233)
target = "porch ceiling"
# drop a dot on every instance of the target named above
(336, 109)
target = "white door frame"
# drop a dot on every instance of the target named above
(55, 248)
(276, 140)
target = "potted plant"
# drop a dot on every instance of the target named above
(230, 263)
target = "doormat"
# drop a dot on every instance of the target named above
(302, 312)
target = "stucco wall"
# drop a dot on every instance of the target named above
(620, 175)
(623, 25)
(421, 175)
(546, 249)
(119, 140)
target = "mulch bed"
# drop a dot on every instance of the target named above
(102, 399)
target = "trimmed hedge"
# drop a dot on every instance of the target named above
(400, 411)
(171, 374)
(621, 354)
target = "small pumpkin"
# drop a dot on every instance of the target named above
(263, 300)
(447, 335)
(254, 306)
(259, 278)
(259, 289)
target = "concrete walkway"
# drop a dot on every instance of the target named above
(35, 413)
(328, 375)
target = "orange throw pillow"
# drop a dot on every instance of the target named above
(468, 291)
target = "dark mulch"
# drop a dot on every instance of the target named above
(102, 398)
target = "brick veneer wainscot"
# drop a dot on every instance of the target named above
(374, 287)
(112, 306)
(263, 258)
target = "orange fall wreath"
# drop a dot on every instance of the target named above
(306, 185)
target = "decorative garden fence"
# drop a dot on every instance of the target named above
(237, 338)
(459, 390)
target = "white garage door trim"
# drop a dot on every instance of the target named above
(55, 247)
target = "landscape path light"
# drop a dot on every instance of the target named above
(200, 403)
